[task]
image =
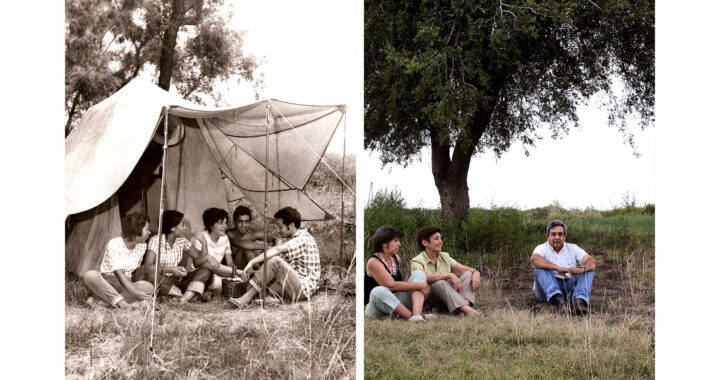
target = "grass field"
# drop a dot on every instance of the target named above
(213, 340)
(516, 336)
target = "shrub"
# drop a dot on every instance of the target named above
(506, 236)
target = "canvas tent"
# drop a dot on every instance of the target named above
(113, 166)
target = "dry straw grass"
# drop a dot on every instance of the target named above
(199, 341)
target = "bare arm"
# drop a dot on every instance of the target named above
(376, 270)
(247, 245)
(249, 242)
(542, 263)
(439, 276)
(201, 257)
(459, 269)
(589, 263)
(150, 267)
(270, 253)
(138, 294)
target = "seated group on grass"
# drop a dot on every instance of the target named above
(293, 267)
(563, 275)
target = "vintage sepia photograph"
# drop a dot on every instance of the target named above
(210, 189)
(510, 222)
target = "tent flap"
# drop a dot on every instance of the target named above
(207, 149)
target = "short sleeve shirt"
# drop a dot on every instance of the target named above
(118, 257)
(216, 249)
(422, 261)
(170, 256)
(304, 257)
(570, 255)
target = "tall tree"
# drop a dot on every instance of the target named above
(188, 42)
(468, 76)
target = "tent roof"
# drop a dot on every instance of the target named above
(105, 146)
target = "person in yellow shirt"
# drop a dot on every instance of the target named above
(452, 285)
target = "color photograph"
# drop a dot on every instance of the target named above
(510, 225)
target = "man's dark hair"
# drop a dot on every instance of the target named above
(241, 210)
(133, 223)
(555, 223)
(170, 219)
(212, 216)
(384, 235)
(425, 233)
(289, 215)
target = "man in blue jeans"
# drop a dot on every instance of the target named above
(562, 271)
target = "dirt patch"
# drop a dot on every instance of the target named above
(619, 287)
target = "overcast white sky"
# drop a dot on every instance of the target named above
(590, 167)
(312, 52)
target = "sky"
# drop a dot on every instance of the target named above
(589, 167)
(686, 180)
(312, 55)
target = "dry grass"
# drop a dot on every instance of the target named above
(213, 340)
(519, 337)
(509, 343)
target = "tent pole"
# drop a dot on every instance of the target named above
(342, 193)
(267, 148)
(160, 223)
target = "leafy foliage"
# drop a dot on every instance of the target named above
(479, 76)
(507, 236)
(109, 43)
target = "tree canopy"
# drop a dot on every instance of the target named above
(107, 43)
(465, 77)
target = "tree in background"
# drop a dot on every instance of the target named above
(467, 77)
(188, 42)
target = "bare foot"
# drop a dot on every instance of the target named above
(467, 310)
(240, 302)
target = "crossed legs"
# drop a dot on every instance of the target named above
(384, 302)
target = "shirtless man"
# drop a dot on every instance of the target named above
(246, 243)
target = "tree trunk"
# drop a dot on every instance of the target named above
(451, 174)
(454, 196)
(68, 125)
(169, 41)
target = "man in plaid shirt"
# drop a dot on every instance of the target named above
(293, 268)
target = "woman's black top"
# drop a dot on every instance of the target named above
(370, 282)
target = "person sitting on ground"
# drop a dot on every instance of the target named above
(174, 278)
(562, 270)
(214, 245)
(452, 285)
(293, 268)
(385, 291)
(113, 283)
(244, 240)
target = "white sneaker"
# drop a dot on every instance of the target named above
(430, 316)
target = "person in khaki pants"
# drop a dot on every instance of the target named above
(452, 285)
